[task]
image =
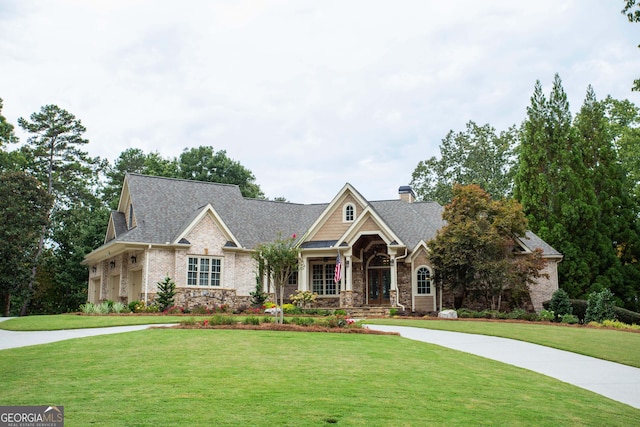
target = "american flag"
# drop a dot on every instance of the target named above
(338, 271)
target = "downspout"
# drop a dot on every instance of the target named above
(406, 252)
(146, 276)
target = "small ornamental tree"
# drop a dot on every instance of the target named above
(278, 260)
(166, 293)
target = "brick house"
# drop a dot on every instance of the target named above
(202, 235)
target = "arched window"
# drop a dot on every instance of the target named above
(349, 212)
(423, 280)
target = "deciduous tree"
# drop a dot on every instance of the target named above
(474, 253)
(478, 155)
(205, 164)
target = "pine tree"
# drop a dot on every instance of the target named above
(166, 293)
(550, 184)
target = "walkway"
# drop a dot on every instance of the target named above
(12, 339)
(613, 380)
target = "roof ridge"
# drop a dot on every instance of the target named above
(224, 184)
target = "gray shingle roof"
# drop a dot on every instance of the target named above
(164, 207)
(411, 222)
(534, 242)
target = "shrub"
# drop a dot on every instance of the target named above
(152, 308)
(200, 309)
(88, 308)
(579, 308)
(340, 312)
(103, 308)
(569, 318)
(546, 316)
(618, 325)
(291, 309)
(188, 322)
(303, 321)
(560, 304)
(132, 306)
(258, 297)
(118, 307)
(174, 310)
(220, 319)
(303, 299)
(600, 306)
(251, 320)
(267, 319)
(393, 312)
(627, 316)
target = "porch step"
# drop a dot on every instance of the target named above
(364, 312)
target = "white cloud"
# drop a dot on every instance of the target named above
(308, 95)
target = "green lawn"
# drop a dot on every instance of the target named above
(74, 321)
(614, 345)
(264, 378)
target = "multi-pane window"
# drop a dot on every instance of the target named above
(349, 213)
(322, 279)
(293, 278)
(204, 271)
(424, 281)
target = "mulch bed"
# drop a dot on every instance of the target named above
(289, 328)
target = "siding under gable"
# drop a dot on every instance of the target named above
(334, 226)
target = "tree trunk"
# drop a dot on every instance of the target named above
(281, 304)
(34, 271)
(7, 305)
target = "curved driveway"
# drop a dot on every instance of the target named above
(613, 380)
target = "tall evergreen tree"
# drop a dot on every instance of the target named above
(54, 156)
(550, 184)
(24, 205)
(616, 231)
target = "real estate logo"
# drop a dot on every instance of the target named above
(31, 416)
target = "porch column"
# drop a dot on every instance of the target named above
(394, 273)
(303, 274)
(348, 283)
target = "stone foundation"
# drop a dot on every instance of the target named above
(209, 298)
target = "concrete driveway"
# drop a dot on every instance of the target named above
(613, 380)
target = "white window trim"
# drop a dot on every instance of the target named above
(197, 285)
(415, 275)
(324, 285)
(344, 212)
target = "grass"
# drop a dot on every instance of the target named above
(613, 345)
(56, 322)
(256, 378)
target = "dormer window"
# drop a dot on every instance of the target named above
(349, 213)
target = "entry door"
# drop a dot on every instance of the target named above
(379, 286)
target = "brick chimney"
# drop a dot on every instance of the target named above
(407, 194)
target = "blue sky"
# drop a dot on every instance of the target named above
(307, 94)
